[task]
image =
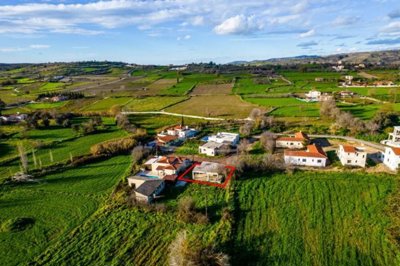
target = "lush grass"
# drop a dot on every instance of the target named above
(106, 103)
(60, 150)
(313, 219)
(57, 204)
(152, 103)
(46, 105)
(364, 112)
(309, 110)
(188, 81)
(123, 236)
(51, 86)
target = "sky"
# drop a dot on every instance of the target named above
(185, 31)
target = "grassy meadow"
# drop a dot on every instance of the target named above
(55, 206)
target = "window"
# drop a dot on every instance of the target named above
(348, 161)
(319, 161)
(304, 160)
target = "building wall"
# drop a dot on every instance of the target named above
(207, 151)
(305, 161)
(391, 160)
(289, 144)
(352, 159)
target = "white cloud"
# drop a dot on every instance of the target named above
(39, 46)
(307, 34)
(346, 21)
(186, 37)
(239, 24)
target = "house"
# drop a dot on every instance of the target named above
(12, 119)
(165, 167)
(348, 79)
(212, 148)
(325, 97)
(313, 156)
(352, 156)
(299, 141)
(318, 79)
(225, 138)
(209, 172)
(180, 131)
(394, 138)
(59, 98)
(392, 158)
(165, 140)
(146, 189)
(346, 94)
(313, 96)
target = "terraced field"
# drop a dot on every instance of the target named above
(212, 89)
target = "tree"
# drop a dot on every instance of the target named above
(243, 146)
(138, 153)
(23, 158)
(185, 251)
(2, 105)
(267, 141)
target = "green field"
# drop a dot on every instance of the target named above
(56, 204)
(106, 103)
(152, 103)
(127, 236)
(63, 144)
(313, 219)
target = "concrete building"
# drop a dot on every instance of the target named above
(313, 156)
(299, 141)
(225, 138)
(352, 156)
(394, 138)
(209, 172)
(392, 158)
(146, 189)
(211, 148)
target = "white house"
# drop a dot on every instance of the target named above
(166, 167)
(394, 138)
(225, 138)
(299, 141)
(313, 156)
(146, 189)
(313, 96)
(210, 172)
(211, 148)
(392, 158)
(180, 131)
(352, 156)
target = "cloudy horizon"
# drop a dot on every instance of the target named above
(184, 31)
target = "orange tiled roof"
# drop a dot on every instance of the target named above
(299, 136)
(348, 148)
(312, 151)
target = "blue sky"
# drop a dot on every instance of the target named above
(184, 31)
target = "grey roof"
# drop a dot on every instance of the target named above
(149, 187)
(212, 145)
(208, 167)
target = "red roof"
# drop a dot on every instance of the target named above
(312, 151)
(166, 139)
(349, 149)
(171, 178)
(298, 137)
(396, 151)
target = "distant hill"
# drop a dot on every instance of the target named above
(369, 58)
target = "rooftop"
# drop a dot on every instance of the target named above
(212, 145)
(149, 186)
(209, 167)
(312, 151)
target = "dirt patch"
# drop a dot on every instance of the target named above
(366, 75)
(212, 89)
